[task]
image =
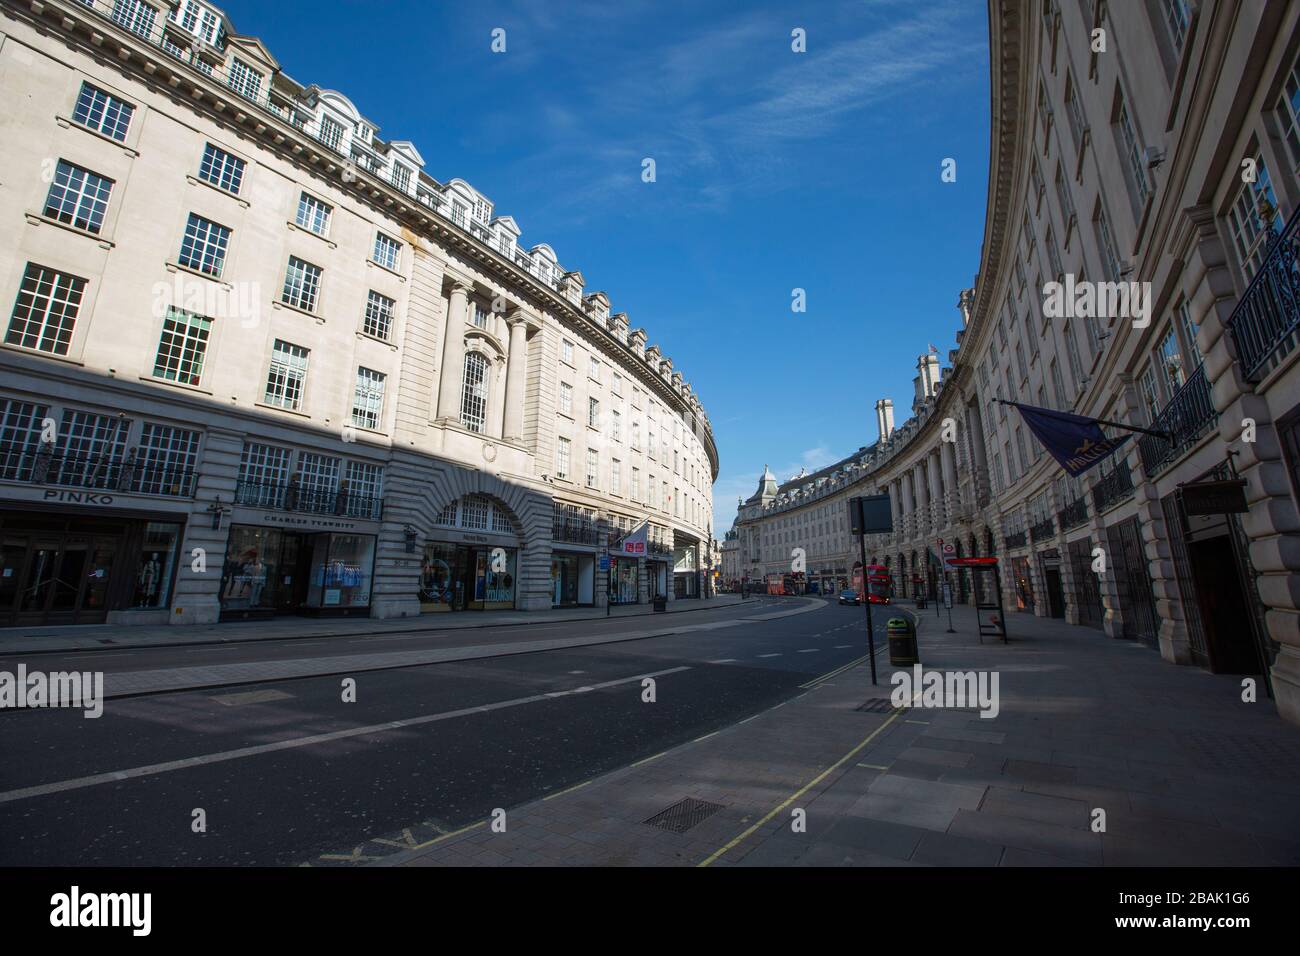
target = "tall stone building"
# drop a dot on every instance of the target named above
(257, 360)
(1154, 142)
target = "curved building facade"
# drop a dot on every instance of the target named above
(259, 361)
(1165, 156)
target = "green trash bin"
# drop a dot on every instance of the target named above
(902, 642)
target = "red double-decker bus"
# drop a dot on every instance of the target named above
(879, 582)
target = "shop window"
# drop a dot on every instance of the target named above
(156, 565)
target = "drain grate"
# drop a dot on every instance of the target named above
(877, 705)
(683, 815)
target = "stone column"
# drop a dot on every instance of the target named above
(516, 369)
(948, 460)
(938, 517)
(453, 353)
(922, 492)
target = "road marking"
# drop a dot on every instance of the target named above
(808, 650)
(648, 759)
(840, 647)
(569, 790)
(872, 766)
(725, 660)
(186, 763)
(716, 854)
(769, 655)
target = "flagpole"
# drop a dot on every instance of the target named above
(1167, 436)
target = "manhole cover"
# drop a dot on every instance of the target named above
(683, 815)
(877, 705)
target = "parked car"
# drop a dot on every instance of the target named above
(849, 596)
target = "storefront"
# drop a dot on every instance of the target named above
(624, 577)
(686, 578)
(83, 568)
(458, 576)
(573, 579)
(657, 578)
(1023, 583)
(272, 570)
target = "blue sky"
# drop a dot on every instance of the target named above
(775, 170)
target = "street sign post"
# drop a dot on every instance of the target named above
(870, 514)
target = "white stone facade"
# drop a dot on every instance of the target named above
(234, 305)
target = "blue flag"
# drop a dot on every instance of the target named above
(1075, 441)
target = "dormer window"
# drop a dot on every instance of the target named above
(136, 16)
(482, 210)
(331, 133)
(402, 177)
(364, 132)
(245, 80)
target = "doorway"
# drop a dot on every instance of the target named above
(1225, 613)
(55, 578)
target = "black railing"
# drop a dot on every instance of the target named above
(1073, 514)
(1042, 530)
(1113, 488)
(1017, 540)
(44, 465)
(1265, 325)
(1187, 417)
(289, 496)
(576, 532)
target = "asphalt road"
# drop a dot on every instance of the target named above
(534, 724)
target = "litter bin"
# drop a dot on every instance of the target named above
(902, 642)
(661, 604)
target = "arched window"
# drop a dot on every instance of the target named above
(473, 396)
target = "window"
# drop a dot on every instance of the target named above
(378, 320)
(402, 177)
(1133, 156)
(245, 80)
(636, 484)
(1072, 353)
(1178, 17)
(1110, 251)
(473, 395)
(593, 413)
(1150, 397)
(388, 251)
(1054, 255)
(204, 246)
(616, 425)
(287, 376)
(615, 477)
(566, 351)
(183, 345)
(103, 112)
(136, 16)
(1077, 123)
(1253, 219)
(1171, 363)
(313, 215)
(368, 399)
(593, 368)
(593, 467)
(562, 458)
(264, 467)
(221, 169)
(636, 434)
(331, 133)
(654, 492)
(1288, 111)
(1063, 197)
(78, 197)
(46, 310)
(301, 284)
(1190, 330)
(458, 213)
(617, 384)
(318, 475)
(566, 398)
(365, 485)
(165, 460)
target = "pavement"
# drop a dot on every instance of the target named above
(89, 637)
(1101, 754)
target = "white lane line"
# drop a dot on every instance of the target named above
(725, 660)
(149, 770)
(769, 655)
(808, 650)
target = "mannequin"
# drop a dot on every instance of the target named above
(147, 581)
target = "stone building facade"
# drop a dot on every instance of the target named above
(258, 360)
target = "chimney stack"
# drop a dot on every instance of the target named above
(885, 417)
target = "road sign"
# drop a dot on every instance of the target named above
(604, 562)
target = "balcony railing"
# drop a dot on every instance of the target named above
(289, 496)
(576, 532)
(1073, 514)
(1042, 530)
(1017, 540)
(43, 465)
(1187, 417)
(1113, 488)
(1265, 325)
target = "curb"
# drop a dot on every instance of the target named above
(218, 642)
